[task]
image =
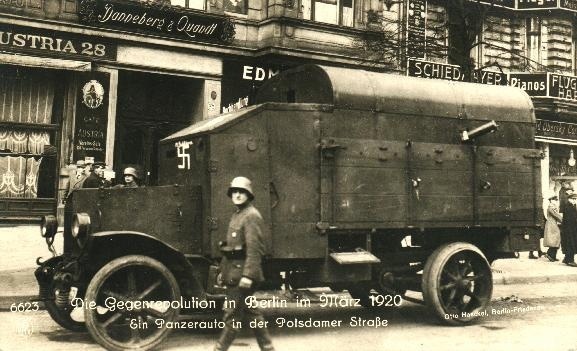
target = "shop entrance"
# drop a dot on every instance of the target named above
(151, 107)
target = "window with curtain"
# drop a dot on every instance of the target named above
(26, 132)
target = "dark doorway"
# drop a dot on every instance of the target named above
(150, 107)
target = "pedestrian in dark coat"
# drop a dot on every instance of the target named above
(241, 267)
(96, 178)
(552, 233)
(569, 231)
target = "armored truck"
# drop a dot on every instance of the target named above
(371, 183)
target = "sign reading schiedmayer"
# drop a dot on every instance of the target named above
(54, 43)
(157, 19)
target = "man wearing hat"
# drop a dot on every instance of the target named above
(76, 178)
(130, 177)
(552, 234)
(569, 231)
(241, 267)
(96, 178)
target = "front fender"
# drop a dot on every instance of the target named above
(102, 247)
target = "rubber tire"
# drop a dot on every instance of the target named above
(96, 283)
(431, 277)
(63, 319)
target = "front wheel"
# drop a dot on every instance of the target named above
(457, 283)
(132, 307)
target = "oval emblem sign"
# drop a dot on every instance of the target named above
(92, 94)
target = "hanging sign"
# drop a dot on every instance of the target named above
(416, 28)
(91, 120)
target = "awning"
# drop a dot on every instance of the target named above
(44, 62)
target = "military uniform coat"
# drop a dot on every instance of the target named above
(552, 234)
(245, 247)
(569, 230)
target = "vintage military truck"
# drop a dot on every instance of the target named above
(368, 182)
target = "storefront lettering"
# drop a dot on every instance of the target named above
(165, 20)
(185, 26)
(21, 39)
(556, 129)
(12, 3)
(258, 73)
(110, 15)
(426, 69)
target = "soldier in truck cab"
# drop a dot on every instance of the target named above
(241, 267)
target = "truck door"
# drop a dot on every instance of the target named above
(440, 182)
(363, 183)
(508, 184)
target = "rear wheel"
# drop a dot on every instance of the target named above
(120, 319)
(457, 283)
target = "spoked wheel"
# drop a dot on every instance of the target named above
(457, 283)
(132, 296)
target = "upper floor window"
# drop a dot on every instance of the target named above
(236, 6)
(329, 11)
(191, 4)
(533, 44)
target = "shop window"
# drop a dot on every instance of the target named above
(533, 41)
(191, 4)
(329, 11)
(27, 133)
(236, 6)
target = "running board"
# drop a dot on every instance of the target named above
(355, 257)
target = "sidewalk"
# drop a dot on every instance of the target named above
(22, 245)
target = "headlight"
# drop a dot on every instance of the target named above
(80, 225)
(48, 226)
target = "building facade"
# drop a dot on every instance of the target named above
(104, 80)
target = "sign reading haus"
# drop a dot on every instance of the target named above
(157, 19)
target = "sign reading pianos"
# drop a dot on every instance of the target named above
(157, 18)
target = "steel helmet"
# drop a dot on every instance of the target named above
(241, 183)
(131, 171)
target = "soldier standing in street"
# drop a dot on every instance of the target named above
(241, 266)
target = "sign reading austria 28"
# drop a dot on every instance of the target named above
(157, 18)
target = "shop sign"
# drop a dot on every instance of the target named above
(499, 3)
(416, 28)
(435, 70)
(12, 3)
(156, 18)
(241, 80)
(54, 43)
(536, 4)
(557, 130)
(535, 84)
(569, 5)
(562, 86)
(91, 120)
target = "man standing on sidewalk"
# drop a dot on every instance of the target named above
(569, 231)
(552, 235)
(241, 267)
